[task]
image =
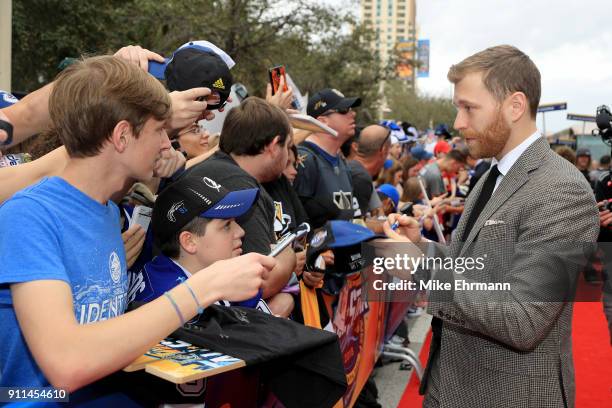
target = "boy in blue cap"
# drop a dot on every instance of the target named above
(194, 225)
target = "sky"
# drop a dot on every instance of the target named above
(569, 41)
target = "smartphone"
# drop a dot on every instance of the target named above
(141, 216)
(283, 243)
(275, 75)
(241, 92)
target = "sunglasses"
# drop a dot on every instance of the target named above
(342, 111)
(384, 142)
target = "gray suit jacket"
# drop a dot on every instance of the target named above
(514, 348)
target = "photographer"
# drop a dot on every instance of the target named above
(603, 193)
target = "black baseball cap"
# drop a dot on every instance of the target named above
(197, 64)
(194, 196)
(328, 99)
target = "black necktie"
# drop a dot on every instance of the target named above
(483, 199)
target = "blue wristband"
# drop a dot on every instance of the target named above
(195, 299)
(176, 308)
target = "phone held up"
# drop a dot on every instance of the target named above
(275, 76)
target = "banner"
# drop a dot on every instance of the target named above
(423, 58)
(405, 67)
(360, 326)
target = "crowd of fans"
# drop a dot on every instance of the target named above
(219, 205)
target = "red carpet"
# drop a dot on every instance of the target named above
(411, 397)
(592, 356)
(592, 360)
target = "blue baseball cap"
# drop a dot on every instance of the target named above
(419, 153)
(391, 192)
(7, 99)
(195, 196)
(442, 130)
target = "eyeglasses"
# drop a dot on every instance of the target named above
(342, 111)
(195, 129)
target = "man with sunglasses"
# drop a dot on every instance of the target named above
(323, 182)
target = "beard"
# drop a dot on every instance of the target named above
(491, 140)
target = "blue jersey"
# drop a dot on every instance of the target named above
(53, 231)
(161, 275)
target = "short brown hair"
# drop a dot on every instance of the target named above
(92, 95)
(456, 155)
(506, 69)
(389, 174)
(251, 126)
(412, 190)
(409, 162)
(172, 247)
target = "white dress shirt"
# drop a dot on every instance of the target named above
(505, 164)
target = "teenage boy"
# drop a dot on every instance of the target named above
(63, 282)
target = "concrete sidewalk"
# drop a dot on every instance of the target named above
(390, 380)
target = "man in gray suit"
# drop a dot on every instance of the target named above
(528, 217)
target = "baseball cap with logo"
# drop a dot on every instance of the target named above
(329, 99)
(193, 196)
(197, 64)
(344, 238)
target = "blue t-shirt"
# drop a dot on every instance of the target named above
(53, 231)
